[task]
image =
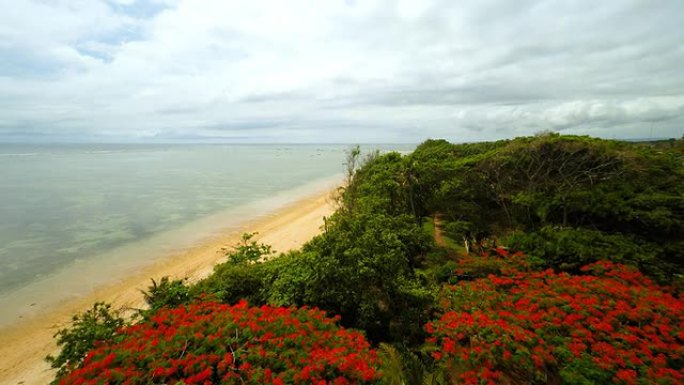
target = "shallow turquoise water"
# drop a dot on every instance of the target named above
(63, 204)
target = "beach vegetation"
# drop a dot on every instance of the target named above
(96, 325)
(211, 343)
(248, 250)
(359, 269)
(566, 200)
(544, 260)
(166, 292)
(608, 324)
(229, 283)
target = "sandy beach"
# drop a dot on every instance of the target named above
(23, 346)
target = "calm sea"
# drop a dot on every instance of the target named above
(63, 205)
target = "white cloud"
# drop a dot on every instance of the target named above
(339, 70)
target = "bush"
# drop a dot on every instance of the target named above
(95, 325)
(232, 282)
(610, 325)
(214, 343)
(244, 276)
(361, 269)
(249, 251)
(570, 248)
(165, 293)
(490, 261)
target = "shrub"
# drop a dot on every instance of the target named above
(610, 325)
(490, 261)
(210, 343)
(231, 282)
(249, 251)
(361, 269)
(571, 248)
(97, 324)
(164, 293)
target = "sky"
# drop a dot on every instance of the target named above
(339, 71)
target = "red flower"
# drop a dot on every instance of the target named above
(627, 376)
(237, 344)
(611, 320)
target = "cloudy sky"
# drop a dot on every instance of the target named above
(339, 71)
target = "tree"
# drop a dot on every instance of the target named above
(407, 180)
(249, 251)
(598, 189)
(214, 343)
(609, 324)
(347, 193)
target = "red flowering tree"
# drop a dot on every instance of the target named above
(612, 325)
(209, 343)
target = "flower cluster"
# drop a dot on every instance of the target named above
(610, 324)
(210, 343)
(497, 260)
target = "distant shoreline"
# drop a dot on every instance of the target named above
(24, 345)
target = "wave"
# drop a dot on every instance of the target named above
(21, 154)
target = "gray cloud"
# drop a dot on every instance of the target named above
(298, 71)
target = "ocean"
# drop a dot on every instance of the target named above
(90, 210)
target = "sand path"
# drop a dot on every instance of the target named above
(23, 346)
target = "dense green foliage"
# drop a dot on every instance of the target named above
(407, 228)
(164, 293)
(566, 200)
(360, 267)
(249, 250)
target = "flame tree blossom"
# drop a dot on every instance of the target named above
(609, 325)
(210, 343)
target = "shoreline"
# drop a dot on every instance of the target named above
(85, 274)
(24, 344)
